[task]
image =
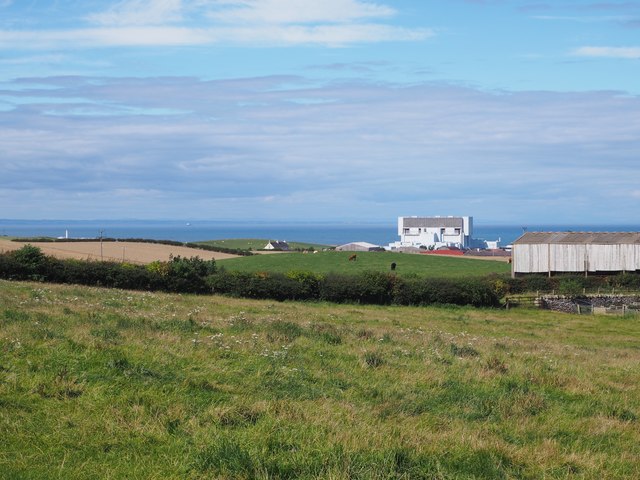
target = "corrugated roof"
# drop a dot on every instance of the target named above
(360, 244)
(432, 222)
(580, 238)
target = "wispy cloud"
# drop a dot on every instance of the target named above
(296, 12)
(160, 23)
(608, 52)
(140, 12)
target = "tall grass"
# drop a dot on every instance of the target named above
(101, 383)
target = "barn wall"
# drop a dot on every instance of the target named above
(542, 258)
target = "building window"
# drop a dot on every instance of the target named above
(457, 231)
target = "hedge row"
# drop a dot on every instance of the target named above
(198, 276)
(193, 275)
(188, 275)
(569, 284)
(368, 288)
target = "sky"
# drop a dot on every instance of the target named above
(511, 111)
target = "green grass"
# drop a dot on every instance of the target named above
(406, 264)
(101, 383)
(257, 244)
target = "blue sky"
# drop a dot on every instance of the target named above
(333, 110)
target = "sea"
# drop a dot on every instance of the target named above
(321, 233)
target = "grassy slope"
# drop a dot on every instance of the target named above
(113, 384)
(257, 244)
(325, 262)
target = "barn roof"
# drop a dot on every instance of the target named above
(432, 222)
(360, 244)
(579, 238)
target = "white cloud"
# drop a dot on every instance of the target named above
(140, 12)
(298, 11)
(148, 36)
(608, 52)
(160, 23)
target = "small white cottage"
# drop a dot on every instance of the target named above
(277, 245)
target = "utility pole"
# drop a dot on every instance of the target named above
(101, 257)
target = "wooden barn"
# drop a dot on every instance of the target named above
(576, 252)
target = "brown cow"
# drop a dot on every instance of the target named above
(353, 257)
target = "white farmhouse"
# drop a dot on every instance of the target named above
(434, 232)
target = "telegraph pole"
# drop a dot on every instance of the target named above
(101, 257)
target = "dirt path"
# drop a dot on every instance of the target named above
(131, 252)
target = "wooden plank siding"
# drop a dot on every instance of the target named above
(555, 253)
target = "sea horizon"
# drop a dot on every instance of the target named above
(321, 232)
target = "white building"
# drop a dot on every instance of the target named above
(277, 245)
(434, 232)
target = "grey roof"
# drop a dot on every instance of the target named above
(580, 238)
(432, 222)
(279, 244)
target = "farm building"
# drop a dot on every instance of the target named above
(358, 247)
(277, 245)
(576, 252)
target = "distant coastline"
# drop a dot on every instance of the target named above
(320, 232)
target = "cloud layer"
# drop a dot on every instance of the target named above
(284, 147)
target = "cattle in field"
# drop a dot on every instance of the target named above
(353, 258)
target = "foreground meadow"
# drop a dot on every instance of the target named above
(98, 383)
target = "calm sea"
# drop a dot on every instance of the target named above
(324, 233)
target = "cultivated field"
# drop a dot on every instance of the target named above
(101, 383)
(406, 264)
(132, 252)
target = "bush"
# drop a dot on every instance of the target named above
(367, 288)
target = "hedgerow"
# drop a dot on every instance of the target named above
(187, 275)
(194, 275)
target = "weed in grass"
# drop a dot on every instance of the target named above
(496, 364)
(106, 334)
(227, 458)
(240, 323)
(373, 359)
(463, 351)
(283, 331)
(621, 413)
(131, 370)
(386, 338)
(237, 415)
(365, 334)
(61, 387)
(327, 333)
(44, 333)
(10, 316)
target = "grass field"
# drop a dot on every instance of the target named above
(115, 384)
(258, 244)
(406, 264)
